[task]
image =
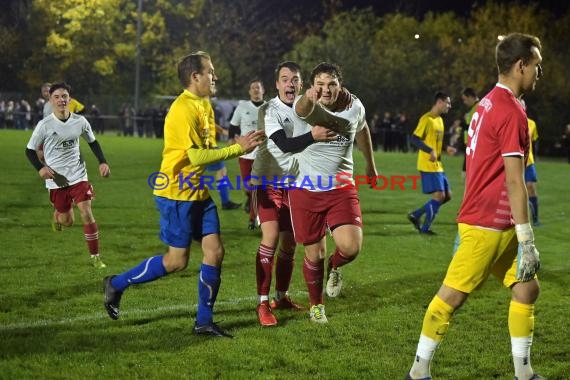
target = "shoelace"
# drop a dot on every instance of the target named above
(317, 313)
(335, 278)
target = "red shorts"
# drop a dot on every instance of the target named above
(313, 211)
(245, 166)
(62, 199)
(273, 204)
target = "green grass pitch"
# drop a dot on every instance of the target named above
(53, 325)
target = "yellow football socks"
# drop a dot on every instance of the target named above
(521, 328)
(436, 319)
(436, 322)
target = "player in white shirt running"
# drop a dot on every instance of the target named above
(270, 173)
(64, 170)
(244, 120)
(320, 201)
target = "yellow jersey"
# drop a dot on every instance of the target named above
(430, 130)
(467, 117)
(533, 135)
(190, 123)
(75, 106)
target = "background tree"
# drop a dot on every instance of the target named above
(347, 40)
(92, 44)
(247, 38)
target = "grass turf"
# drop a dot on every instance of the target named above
(52, 322)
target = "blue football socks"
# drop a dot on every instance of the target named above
(148, 270)
(419, 212)
(208, 286)
(533, 202)
(223, 189)
(431, 207)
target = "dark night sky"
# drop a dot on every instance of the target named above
(460, 7)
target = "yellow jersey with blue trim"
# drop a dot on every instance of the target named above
(533, 134)
(190, 123)
(430, 130)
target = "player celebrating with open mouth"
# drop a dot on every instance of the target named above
(313, 211)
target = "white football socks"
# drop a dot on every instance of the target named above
(424, 354)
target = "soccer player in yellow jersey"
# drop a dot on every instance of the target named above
(186, 209)
(530, 176)
(471, 100)
(428, 138)
(76, 106)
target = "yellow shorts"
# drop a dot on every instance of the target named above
(482, 252)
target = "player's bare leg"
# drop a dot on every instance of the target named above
(61, 219)
(348, 241)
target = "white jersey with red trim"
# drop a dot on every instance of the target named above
(325, 166)
(60, 141)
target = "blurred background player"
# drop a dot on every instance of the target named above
(565, 141)
(428, 138)
(221, 174)
(222, 185)
(64, 170)
(244, 120)
(530, 176)
(471, 100)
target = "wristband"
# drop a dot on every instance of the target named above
(524, 232)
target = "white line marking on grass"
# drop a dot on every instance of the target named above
(137, 312)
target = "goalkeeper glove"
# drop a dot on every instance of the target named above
(528, 261)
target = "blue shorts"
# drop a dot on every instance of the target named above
(215, 166)
(434, 181)
(530, 174)
(182, 221)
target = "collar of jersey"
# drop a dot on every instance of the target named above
(191, 95)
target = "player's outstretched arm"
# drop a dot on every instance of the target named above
(299, 143)
(244, 144)
(306, 104)
(308, 109)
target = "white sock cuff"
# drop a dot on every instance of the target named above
(426, 347)
(521, 346)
